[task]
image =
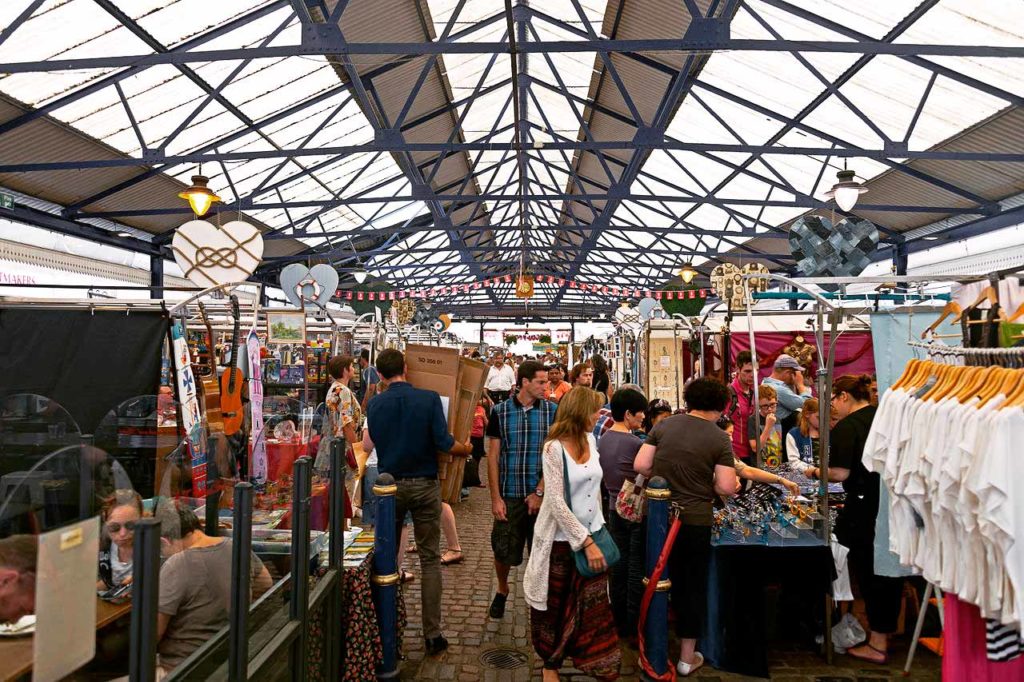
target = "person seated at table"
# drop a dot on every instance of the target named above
(195, 584)
(117, 539)
(18, 554)
(695, 457)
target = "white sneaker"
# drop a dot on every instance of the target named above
(685, 669)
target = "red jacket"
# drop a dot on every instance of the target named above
(741, 411)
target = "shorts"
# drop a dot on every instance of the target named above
(509, 537)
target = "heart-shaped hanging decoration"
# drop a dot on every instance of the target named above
(210, 256)
(312, 284)
(822, 249)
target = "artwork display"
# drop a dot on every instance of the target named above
(286, 327)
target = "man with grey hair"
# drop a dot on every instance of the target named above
(604, 418)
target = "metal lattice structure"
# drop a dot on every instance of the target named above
(441, 142)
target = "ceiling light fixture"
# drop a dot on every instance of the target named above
(688, 273)
(846, 191)
(360, 274)
(199, 196)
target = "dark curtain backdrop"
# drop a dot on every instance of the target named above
(89, 363)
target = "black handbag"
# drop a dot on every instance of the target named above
(601, 537)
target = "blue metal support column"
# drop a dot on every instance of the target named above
(145, 592)
(241, 584)
(386, 574)
(156, 276)
(899, 258)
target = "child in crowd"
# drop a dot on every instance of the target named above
(770, 443)
(802, 440)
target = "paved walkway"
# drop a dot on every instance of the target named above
(469, 586)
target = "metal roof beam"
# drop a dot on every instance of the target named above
(693, 45)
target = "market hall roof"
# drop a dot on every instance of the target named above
(449, 141)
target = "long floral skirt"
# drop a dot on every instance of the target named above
(578, 623)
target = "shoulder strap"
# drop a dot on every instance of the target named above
(565, 478)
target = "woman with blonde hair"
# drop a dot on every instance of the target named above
(802, 439)
(570, 613)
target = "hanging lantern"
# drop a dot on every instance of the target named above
(199, 196)
(524, 286)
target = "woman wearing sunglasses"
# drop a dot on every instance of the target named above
(118, 535)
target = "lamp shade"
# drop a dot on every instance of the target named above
(359, 275)
(199, 196)
(846, 191)
(687, 273)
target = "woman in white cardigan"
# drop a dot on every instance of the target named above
(570, 615)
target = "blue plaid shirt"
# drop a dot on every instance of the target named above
(521, 431)
(604, 422)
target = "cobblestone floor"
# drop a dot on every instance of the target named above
(469, 586)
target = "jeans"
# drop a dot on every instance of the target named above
(369, 499)
(422, 498)
(626, 576)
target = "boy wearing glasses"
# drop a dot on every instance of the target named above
(770, 442)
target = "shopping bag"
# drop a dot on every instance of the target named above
(631, 501)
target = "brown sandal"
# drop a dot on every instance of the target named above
(457, 560)
(860, 657)
(407, 577)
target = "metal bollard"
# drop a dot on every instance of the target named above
(299, 604)
(656, 626)
(241, 587)
(386, 575)
(337, 625)
(145, 592)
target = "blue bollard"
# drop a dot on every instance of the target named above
(385, 574)
(656, 626)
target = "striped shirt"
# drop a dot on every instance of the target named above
(522, 431)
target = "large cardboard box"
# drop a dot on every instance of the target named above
(460, 382)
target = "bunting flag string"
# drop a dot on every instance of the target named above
(606, 290)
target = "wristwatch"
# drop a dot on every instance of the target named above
(539, 492)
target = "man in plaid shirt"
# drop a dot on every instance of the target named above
(517, 429)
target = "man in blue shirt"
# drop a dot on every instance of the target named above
(408, 427)
(368, 380)
(787, 379)
(517, 429)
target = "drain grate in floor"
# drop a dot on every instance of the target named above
(503, 659)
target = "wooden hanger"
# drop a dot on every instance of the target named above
(951, 308)
(908, 371)
(979, 380)
(1015, 398)
(988, 293)
(1017, 314)
(951, 377)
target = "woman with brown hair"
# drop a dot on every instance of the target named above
(855, 525)
(571, 615)
(120, 514)
(802, 439)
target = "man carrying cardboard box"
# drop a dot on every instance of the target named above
(517, 429)
(407, 426)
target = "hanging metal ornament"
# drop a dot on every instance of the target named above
(756, 284)
(727, 281)
(822, 249)
(403, 311)
(524, 286)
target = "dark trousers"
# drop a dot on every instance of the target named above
(626, 576)
(422, 498)
(499, 396)
(882, 595)
(688, 570)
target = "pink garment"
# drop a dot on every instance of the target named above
(964, 657)
(739, 418)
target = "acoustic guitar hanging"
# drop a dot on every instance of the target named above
(211, 389)
(231, 381)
